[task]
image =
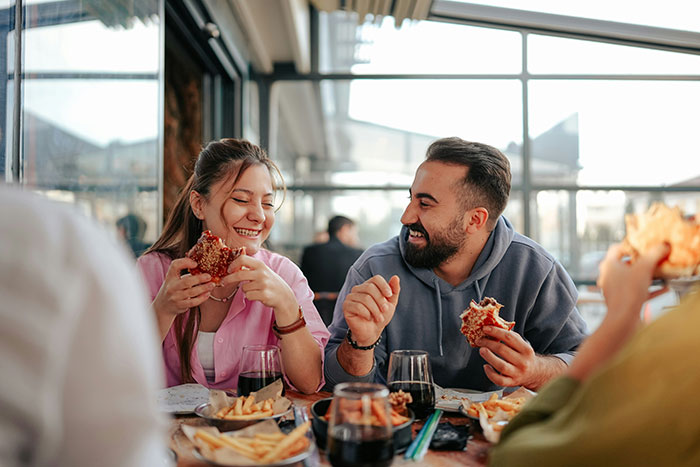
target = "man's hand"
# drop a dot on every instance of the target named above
(513, 362)
(369, 307)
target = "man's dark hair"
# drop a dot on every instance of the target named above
(134, 226)
(336, 223)
(487, 183)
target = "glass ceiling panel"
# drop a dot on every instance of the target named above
(672, 14)
(548, 54)
(420, 47)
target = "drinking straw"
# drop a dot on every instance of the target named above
(414, 444)
(419, 446)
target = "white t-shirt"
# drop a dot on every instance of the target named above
(205, 350)
(79, 356)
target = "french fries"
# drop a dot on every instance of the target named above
(264, 448)
(505, 408)
(353, 413)
(246, 408)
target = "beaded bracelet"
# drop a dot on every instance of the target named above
(355, 345)
(296, 325)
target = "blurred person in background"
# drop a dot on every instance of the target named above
(325, 265)
(78, 346)
(264, 298)
(132, 229)
(454, 247)
(320, 237)
(630, 395)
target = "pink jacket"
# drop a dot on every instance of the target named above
(247, 322)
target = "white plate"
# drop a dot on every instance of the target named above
(182, 399)
(449, 399)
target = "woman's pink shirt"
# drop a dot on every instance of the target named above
(248, 322)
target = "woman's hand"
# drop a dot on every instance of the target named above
(180, 293)
(625, 283)
(259, 282)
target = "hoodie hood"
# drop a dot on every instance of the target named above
(495, 248)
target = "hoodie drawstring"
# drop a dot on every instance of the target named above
(484, 280)
(436, 284)
(439, 307)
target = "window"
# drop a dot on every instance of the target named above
(610, 127)
(421, 47)
(90, 96)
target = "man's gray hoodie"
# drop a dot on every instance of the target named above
(534, 289)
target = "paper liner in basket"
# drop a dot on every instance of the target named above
(219, 399)
(501, 417)
(226, 455)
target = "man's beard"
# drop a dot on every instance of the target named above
(438, 249)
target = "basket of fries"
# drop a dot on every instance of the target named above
(260, 444)
(495, 412)
(234, 413)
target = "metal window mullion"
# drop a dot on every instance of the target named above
(264, 110)
(321, 77)
(661, 189)
(314, 77)
(527, 178)
(295, 76)
(515, 188)
(160, 166)
(17, 172)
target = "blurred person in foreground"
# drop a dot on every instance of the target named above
(325, 265)
(78, 346)
(203, 326)
(454, 247)
(630, 397)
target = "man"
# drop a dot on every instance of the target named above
(454, 247)
(131, 229)
(78, 350)
(325, 265)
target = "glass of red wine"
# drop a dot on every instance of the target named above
(260, 366)
(359, 429)
(409, 371)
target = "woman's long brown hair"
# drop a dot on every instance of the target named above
(218, 160)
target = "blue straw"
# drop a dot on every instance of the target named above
(419, 446)
(425, 442)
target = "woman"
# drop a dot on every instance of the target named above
(204, 327)
(630, 396)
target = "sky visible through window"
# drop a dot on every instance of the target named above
(94, 110)
(626, 128)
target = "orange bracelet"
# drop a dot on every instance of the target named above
(295, 326)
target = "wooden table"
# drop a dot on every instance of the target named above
(475, 454)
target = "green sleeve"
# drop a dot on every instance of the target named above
(640, 409)
(549, 400)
